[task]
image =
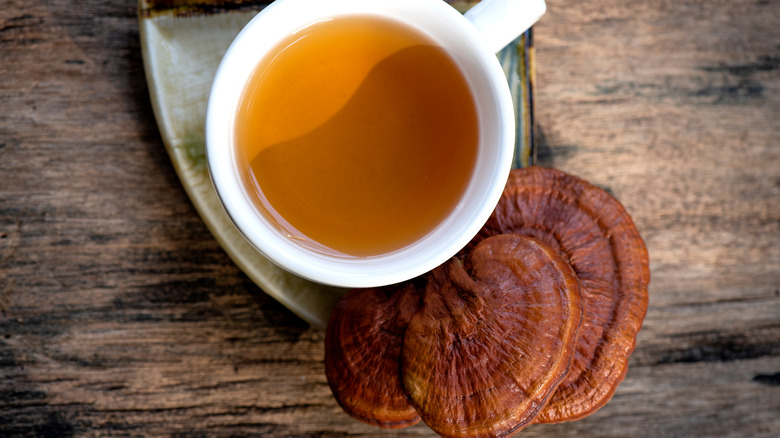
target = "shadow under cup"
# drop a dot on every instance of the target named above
(387, 174)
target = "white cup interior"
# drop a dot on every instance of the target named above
(496, 136)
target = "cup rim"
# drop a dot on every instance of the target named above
(430, 251)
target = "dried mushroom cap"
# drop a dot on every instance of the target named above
(362, 354)
(597, 236)
(493, 338)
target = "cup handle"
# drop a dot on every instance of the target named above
(501, 21)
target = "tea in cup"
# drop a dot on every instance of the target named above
(361, 142)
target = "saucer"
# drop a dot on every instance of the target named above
(183, 42)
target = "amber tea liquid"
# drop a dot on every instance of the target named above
(357, 136)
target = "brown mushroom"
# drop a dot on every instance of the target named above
(362, 354)
(593, 231)
(493, 338)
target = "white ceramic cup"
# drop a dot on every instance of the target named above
(471, 39)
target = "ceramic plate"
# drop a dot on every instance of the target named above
(183, 42)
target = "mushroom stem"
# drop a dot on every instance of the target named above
(457, 292)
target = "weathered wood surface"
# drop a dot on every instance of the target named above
(121, 316)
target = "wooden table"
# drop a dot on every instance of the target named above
(120, 315)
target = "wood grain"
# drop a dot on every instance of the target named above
(121, 316)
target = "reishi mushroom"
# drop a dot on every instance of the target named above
(478, 356)
(595, 234)
(499, 337)
(363, 353)
(493, 338)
